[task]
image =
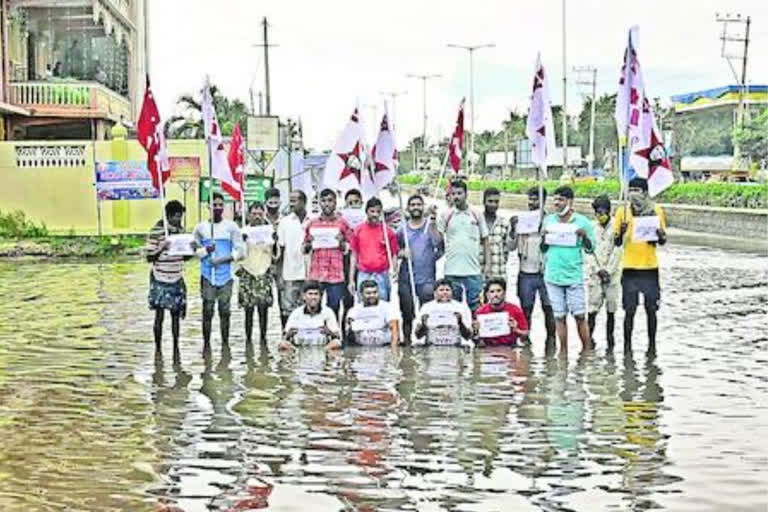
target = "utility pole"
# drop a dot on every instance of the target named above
(730, 57)
(565, 101)
(589, 82)
(471, 50)
(424, 79)
(393, 117)
(266, 47)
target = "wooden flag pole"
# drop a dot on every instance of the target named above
(210, 207)
(409, 260)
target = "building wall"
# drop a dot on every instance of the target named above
(64, 196)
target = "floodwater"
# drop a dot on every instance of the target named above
(91, 420)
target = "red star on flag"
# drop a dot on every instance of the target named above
(353, 170)
(655, 154)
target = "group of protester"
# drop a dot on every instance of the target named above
(349, 259)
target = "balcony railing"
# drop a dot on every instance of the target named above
(70, 99)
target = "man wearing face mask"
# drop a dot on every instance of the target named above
(567, 235)
(640, 265)
(272, 205)
(604, 270)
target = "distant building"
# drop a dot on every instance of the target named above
(70, 69)
(721, 97)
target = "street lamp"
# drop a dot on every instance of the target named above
(471, 50)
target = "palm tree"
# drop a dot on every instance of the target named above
(189, 125)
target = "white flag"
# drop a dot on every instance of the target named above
(219, 161)
(540, 128)
(383, 166)
(345, 164)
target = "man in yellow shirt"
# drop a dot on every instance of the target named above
(640, 265)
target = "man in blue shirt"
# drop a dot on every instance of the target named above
(425, 249)
(216, 256)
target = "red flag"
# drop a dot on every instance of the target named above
(150, 134)
(236, 159)
(457, 140)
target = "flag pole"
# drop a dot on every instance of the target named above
(210, 206)
(539, 172)
(409, 258)
(162, 198)
(442, 172)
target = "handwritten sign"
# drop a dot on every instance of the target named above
(353, 216)
(442, 318)
(493, 325)
(259, 235)
(561, 233)
(181, 245)
(644, 229)
(324, 238)
(366, 319)
(372, 337)
(310, 336)
(528, 222)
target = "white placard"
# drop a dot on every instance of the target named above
(353, 216)
(561, 233)
(181, 245)
(528, 222)
(310, 336)
(324, 238)
(443, 317)
(645, 229)
(494, 324)
(259, 235)
(368, 320)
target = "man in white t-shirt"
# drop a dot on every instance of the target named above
(445, 321)
(292, 260)
(311, 323)
(373, 321)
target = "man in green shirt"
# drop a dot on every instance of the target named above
(567, 235)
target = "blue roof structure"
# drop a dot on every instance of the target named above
(716, 93)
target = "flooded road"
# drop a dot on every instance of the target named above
(90, 420)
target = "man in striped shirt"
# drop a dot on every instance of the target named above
(167, 289)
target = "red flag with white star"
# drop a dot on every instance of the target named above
(345, 163)
(540, 128)
(234, 184)
(149, 131)
(457, 140)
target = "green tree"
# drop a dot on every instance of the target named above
(189, 124)
(606, 138)
(752, 138)
(706, 132)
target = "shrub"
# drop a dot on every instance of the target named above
(16, 225)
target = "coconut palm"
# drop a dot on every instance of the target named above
(189, 123)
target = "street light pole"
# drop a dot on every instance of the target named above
(424, 79)
(592, 82)
(393, 96)
(565, 102)
(471, 50)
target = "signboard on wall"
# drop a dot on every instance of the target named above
(185, 169)
(117, 181)
(263, 133)
(255, 189)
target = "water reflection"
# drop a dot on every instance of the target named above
(90, 419)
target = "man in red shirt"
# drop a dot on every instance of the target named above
(369, 251)
(326, 239)
(497, 330)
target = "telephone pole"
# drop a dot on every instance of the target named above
(726, 38)
(265, 44)
(565, 101)
(589, 82)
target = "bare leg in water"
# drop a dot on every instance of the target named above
(263, 311)
(207, 324)
(158, 329)
(248, 325)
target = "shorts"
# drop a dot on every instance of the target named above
(599, 294)
(290, 299)
(254, 291)
(636, 281)
(211, 294)
(567, 299)
(170, 296)
(527, 285)
(472, 285)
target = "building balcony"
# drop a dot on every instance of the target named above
(66, 99)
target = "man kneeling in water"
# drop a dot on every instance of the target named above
(312, 323)
(514, 326)
(372, 322)
(445, 321)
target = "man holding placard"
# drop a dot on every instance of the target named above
(465, 234)
(311, 324)
(167, 289)
(445, 321)
(290, 238)
(216, 255)
(526, 238)
(354, 214)
(255, 290)
(372, 322)
(371, 253)
(325, 239)
(639, 229)
(499, 322)
(604, 270)
(425, 249)
(499, 239)
(567, 235)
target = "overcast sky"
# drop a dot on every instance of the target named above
(335, 52)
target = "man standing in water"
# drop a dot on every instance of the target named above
(369, 250)
(498, 237)
(604, 270)
(290, 238)
(167, 289)
(272, 204)
(425, 249)
(640, 265)
(353, 206)
(567, 234)
(216, 256)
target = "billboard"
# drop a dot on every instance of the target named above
(263, 133)
(184, 169)
(255, 189)
(117, 181)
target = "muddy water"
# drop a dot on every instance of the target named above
(90, 419)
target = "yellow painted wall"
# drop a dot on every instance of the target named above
(64, 198)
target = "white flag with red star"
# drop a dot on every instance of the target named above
(345, 163)
(540, 128)
(635, 119)
(384, 159)
(219, 158)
